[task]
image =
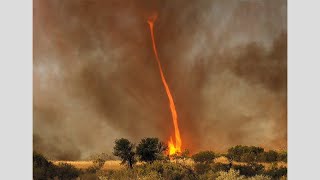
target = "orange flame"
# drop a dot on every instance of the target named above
(173, 148)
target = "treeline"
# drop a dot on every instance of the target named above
(254, 154)
(205, 166)
(158, 165)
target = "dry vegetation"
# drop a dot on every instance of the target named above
(115, 164)
(108, 165)
(149, 161)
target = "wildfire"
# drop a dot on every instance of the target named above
(173, 148)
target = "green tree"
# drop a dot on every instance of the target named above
(124, 149)
(150, 149)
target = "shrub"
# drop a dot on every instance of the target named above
(89, 176)
(181, 156)
(276, 173)
(254, 154)
(249, 170)
(169, 170)
(43, 169)
(122, 174)
(216, 167)
(99, 159)
(244, 153)
(157, 170)
(98, 162)
(248, 157)
(177, 171)
(204, 157)
(271, 156)
(230, 175)
(92, 169)
(259, 177)
(282, 156)
(208, 175)
(67, 171)
(201, 168)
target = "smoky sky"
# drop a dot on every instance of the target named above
(95, 78)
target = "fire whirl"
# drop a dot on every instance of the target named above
(173, 148)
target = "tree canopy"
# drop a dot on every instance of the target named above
(150, 149)
(124, 149)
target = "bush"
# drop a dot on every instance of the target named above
(169, 170)
(216, 167)
(276, 173)
(204, 157)
(254, 154)
(122, 174)
(99, 159)
(244, 153)
(98, 162)
(184, 155)
(259, 177)
(208, 175)
(89, 176)
(230, 175)
(249, 170)
(271, 156)
(43, 169)
(156, 170)
(201, 168)
(233, 174)
(67, 171)
(248, 157)
(282, 156)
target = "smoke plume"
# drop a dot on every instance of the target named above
(95, 77)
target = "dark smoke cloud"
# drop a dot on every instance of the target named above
(96, 79)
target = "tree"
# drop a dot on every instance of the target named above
(150, 149)
(124, 149)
